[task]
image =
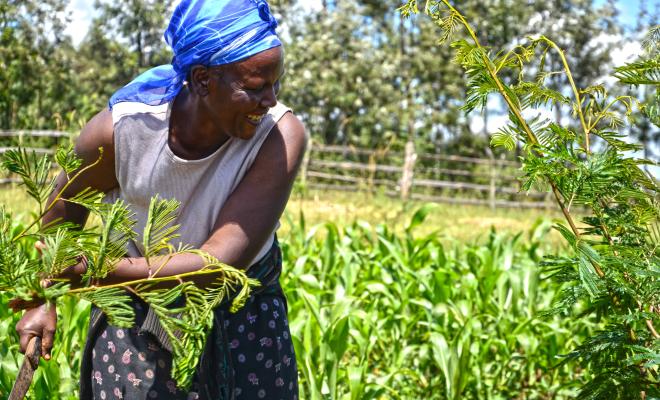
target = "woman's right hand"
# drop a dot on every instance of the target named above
(38, 322)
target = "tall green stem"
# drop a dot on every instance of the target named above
(488, 64)
(518, 114)
(576, 92)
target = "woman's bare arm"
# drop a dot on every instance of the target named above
(250, 214)
(98, 133)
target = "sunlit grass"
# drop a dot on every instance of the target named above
(24, 208)
(16, 201)
(470, 224)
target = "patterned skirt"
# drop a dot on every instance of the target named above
(249, 354)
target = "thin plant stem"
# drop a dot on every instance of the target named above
(576, 92)
(518, 114)
(619, 99)
(177, 277)
(534, 140)
(487, 63)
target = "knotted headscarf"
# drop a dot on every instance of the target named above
(206, 32)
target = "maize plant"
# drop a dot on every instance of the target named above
(614, 265)
(22, 274)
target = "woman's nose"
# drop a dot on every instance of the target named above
(269, 98)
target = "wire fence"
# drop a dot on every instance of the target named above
(441, 178)
(444, 178)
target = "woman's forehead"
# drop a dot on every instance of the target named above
(265, 64)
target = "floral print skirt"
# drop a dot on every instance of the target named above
(249, 355)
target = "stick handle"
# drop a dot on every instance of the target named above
(30, 363)
(33, 351)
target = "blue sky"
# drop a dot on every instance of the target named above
(629, 9)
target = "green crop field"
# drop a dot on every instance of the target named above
(387, 299)
(449, 222)
(390, 301)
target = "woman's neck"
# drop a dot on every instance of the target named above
(192, 134)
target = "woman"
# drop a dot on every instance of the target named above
(208, 131)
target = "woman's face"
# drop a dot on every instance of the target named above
(240, 94)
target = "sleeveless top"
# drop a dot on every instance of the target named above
(146, 166)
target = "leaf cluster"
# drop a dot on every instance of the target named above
(646, 71)
(184, 309)
(585, 163)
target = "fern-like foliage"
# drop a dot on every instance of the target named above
(535, 95)
(651, 42)
(613, 269)
(13, 264)
(160, 228)
(34, 172)
(110, 246)
(66, 159)
(646, 71)
(642, 72)
(185, 310)
(115, 304)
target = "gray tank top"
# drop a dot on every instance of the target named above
(146, 166)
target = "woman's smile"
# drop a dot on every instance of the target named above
(255, 118)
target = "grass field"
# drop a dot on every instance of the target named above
(387, 300)
(469, 224)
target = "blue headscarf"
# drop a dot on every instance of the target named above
(206, 32)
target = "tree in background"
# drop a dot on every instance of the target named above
(346, 71)
(141, 23)
(47, 83)
(35, 57)
(103, 66)
(124, 40)
(336, 79)
(347, 77)
(645, 129)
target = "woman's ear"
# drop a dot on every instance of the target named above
(199, 80)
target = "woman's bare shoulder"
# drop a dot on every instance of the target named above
(98, 132)
(95, 145)
(292, 130)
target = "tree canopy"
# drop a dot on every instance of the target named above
(357, 73)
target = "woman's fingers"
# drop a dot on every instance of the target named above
(24, 339)
(41, 322)
(47, 342)
(40, 246)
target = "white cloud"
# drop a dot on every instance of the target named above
(311, 5)
(628, 51)
(82, 13)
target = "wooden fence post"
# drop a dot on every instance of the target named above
(305, 163)
(372, 173)
(493, 178)
(408, 169)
